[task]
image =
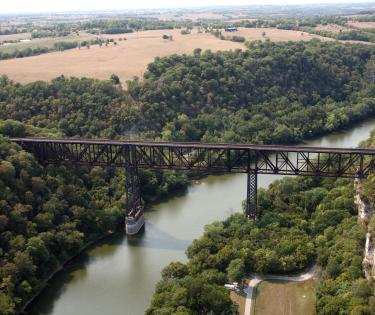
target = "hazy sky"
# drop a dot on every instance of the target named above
(13, 6)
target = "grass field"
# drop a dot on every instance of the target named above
(190, 16)
(127, 59)
(43, 42)
(19, 36)
(363, 25)
(274, 34)
(334, 28)
(285, 298)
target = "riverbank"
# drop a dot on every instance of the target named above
(60, 268)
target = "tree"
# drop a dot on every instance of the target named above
(236, 270)
(174, 270)
(361, 288)
(115, 79)
(12, 128)
(7, 306)
(7, 170)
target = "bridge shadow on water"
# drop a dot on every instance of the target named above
(153, 237)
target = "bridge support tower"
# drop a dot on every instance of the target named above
(134, 216)
(251, 202)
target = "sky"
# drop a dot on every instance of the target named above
(32, 6)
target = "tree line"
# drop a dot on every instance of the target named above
(57, 46)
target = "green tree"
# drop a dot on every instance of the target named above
(236, 270)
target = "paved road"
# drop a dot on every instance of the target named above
(256, 278)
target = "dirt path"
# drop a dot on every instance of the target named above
(257, 278)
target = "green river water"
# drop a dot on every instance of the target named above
(117, 276)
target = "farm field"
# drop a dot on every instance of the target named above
(190, 16)
(275, 34)
(362, 24)
(287, 298)
(19, 36)
(127, 59)
(41, 42)
(334, 28)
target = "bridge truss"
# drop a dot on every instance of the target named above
(249, 159)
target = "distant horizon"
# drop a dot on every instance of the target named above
(70, 6)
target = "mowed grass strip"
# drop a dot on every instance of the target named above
(240, 300)
(285, 298)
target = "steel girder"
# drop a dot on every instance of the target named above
(250, 159)
(350, 163)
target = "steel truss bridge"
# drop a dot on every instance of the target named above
(236, 158)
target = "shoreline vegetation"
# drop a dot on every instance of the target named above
(62, 267)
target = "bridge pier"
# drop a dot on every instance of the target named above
(134, 216)
(251, 202)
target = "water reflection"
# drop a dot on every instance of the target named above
(154, 237)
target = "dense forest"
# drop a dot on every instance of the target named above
(270, 93)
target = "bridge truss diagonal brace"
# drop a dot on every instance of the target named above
(251, 202)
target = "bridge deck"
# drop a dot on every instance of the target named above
(212, 157)
(256, 147)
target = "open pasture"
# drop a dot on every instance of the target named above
(40, 42)
(362, 25)
(334, 28)
(285, 298)
(127, 59)
(11, 37)
(274, 34)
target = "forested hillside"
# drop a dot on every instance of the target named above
(271, 93)
(46, 216)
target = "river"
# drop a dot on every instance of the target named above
(117, 276)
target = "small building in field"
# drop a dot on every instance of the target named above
(231, 29)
